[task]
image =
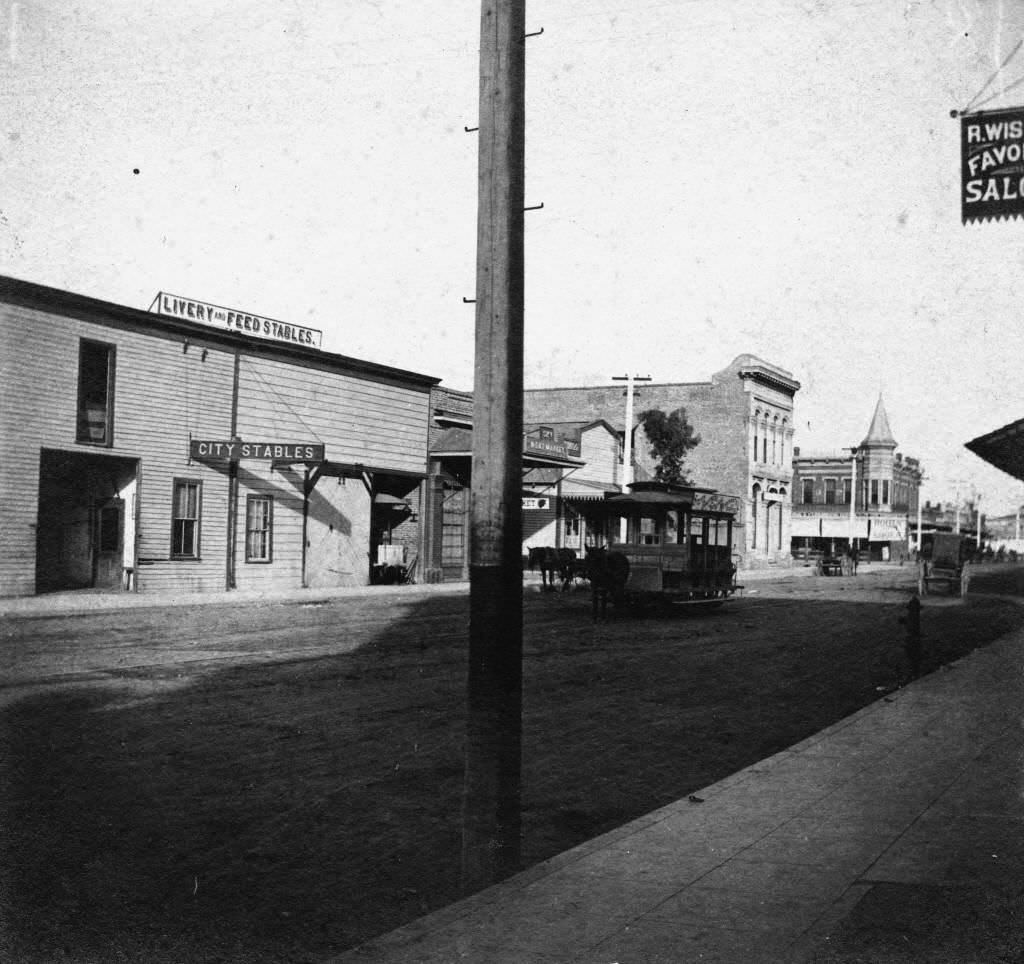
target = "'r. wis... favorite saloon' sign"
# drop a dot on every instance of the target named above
(992, 165)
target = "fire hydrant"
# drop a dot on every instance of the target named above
(913, 645)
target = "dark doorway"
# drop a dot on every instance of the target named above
(86, 522)
(108, 558)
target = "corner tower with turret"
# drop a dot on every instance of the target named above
(864, 497)
(876, 461)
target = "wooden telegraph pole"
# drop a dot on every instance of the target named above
(492, 790)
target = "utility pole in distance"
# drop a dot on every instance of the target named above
(627, 447)
(492, 790)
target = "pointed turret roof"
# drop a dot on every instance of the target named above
(879, 433)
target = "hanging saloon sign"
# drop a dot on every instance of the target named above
(992, 165)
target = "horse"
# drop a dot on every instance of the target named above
(552, 561)
(608, 573)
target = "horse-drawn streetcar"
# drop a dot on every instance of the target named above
(666, 544)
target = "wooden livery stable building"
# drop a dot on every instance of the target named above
(193, 448)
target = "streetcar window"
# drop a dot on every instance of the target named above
(672, 527)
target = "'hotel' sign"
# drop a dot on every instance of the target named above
(240, 322)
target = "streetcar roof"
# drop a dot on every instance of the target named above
(658, 493)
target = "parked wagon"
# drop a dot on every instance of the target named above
(676, 539)
(948, 566)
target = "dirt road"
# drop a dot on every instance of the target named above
(281, 781)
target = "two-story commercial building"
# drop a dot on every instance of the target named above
(195, 448)
(866, 496)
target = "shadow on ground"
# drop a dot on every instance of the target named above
(287, 810)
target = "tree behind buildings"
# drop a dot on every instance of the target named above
(671, 438)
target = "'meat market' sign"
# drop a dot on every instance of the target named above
(206, 450)
(992, 165)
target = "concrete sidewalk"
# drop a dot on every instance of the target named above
(894, 835)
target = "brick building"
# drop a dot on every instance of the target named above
(880, 518)
(744, 416)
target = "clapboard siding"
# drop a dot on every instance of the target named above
(599, 448)
(171, 386)
(285, 567)
(539, 528)
(357, 420)
(165, 393)
(339, 534)
(161, 394)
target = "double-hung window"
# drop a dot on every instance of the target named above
(259, 528)
(95, 424)
(808, 490)
(185, 518)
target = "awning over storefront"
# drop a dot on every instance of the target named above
(1003, 448)
(840, 528)
(828, 527)
(581, 490)
(378, 480)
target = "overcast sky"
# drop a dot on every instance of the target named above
(718, 177)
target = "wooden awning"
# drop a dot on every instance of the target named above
(1003, 448)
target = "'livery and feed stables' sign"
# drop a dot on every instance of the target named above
(992, 165)
(240, 322)
(203, 450)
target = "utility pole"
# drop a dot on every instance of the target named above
(978, 510)
(919, 481)
(627, 447)
(853, 500)
(493, 775)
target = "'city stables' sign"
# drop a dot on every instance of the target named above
(204, 450)
(992, 165)
(238, 321)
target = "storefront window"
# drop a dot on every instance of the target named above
(259, 519)
(648, 532)
(185, 520)
(95, 393)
